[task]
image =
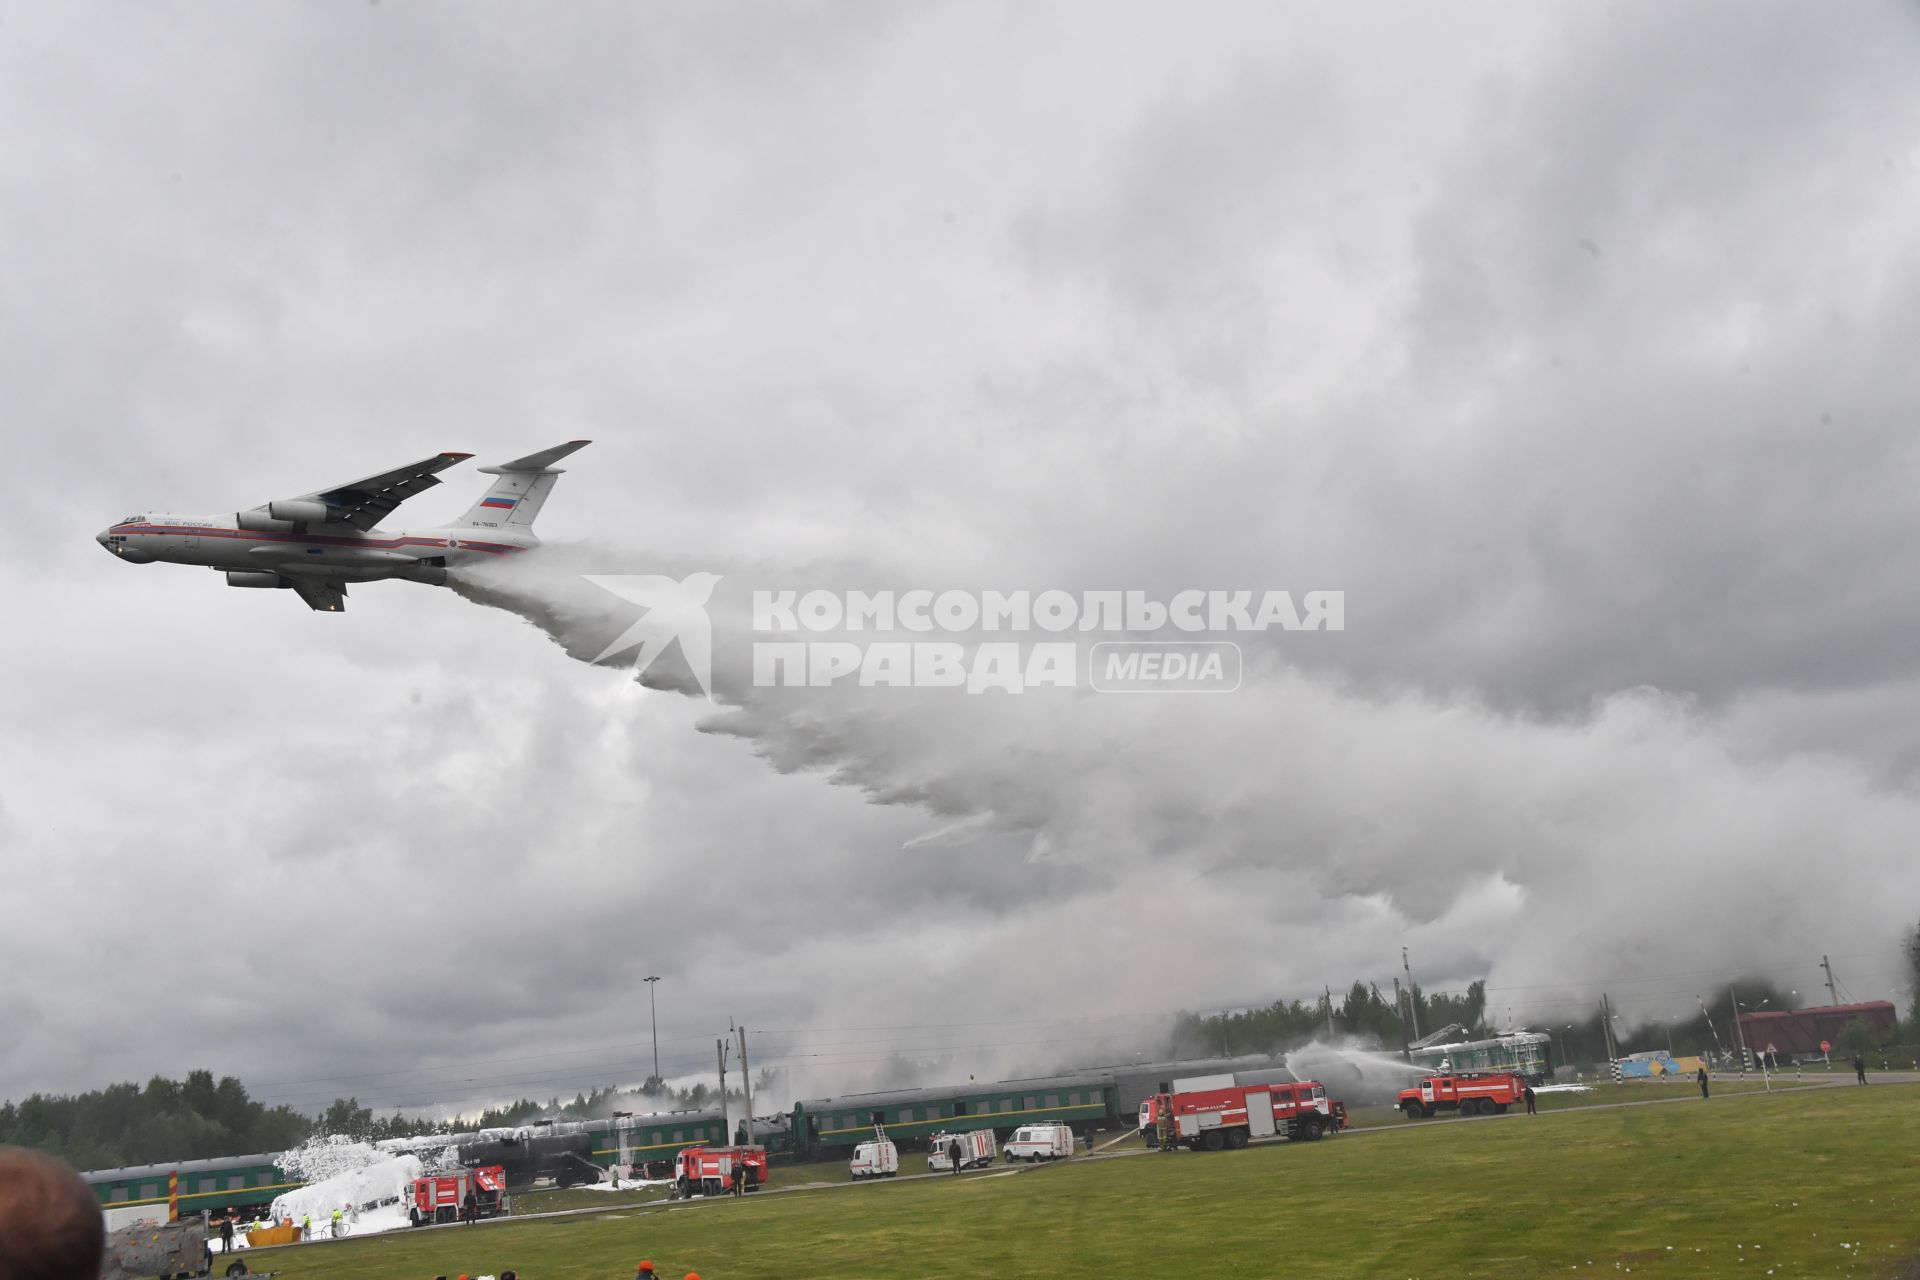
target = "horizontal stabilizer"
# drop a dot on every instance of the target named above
(538, 461)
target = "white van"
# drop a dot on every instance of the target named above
(976, 1150)
(879, 1159)
(1040, 1142)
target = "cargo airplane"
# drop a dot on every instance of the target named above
(314, 545)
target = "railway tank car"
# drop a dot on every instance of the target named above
(566, 1158)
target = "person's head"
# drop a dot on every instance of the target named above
(51, 1227)
(644, 1269)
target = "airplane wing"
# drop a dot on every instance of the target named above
(325, 595)
(364, 503)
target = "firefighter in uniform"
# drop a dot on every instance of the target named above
(1163, 1128)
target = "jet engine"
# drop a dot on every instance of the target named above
(300, 511)
(254, 578)
(258, 521)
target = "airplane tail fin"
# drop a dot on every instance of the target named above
(520, 491)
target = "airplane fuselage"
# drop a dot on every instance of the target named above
(339, 552)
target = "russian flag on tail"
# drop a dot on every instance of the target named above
(506, 504)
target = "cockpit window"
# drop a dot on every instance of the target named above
(132, 519)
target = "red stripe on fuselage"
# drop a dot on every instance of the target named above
(314, 539)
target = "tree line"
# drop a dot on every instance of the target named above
(199, 1118)
(127, 1124)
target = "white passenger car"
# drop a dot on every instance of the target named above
(1040, 1142)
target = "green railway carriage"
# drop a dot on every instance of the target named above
(246, 1182)
(829, 1126)
(655, 1137)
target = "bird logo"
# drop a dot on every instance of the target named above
(674, 611)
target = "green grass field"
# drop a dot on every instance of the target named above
(1811, 1182)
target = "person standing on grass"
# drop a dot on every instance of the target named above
(1702, 1079)
(1528, 1095)
(1860, 1067)
(470, 1207)
(953, 1155)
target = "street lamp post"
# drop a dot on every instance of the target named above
(653, 1013)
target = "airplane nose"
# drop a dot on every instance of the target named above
(102, 539)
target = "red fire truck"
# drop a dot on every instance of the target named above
(1227, 1115)
(442, 1197)
(710, 1171)
(1469, 1095)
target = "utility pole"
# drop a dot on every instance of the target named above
(1739, 1035)
(1828, 966)
(1412, 1009)
(1400, 1009)
(720, 1050)
(1708, 1019)
(1606, 1028)
(653, 1012)
(746, 1083)
(1329, 1013)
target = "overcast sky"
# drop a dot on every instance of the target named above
(1575, 344)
